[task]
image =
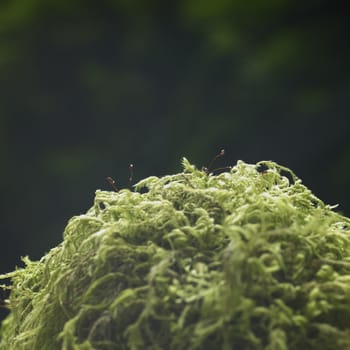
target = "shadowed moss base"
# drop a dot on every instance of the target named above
(242, 260)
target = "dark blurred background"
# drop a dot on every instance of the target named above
(87, 87)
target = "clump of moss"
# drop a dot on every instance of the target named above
(241, 260)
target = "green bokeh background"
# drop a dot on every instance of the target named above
(88, 87)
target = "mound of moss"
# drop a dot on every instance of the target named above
(246, 259)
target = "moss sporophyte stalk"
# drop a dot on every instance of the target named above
(240, 260)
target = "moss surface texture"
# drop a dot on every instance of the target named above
(240, 260)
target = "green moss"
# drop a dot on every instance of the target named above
(242, 260)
